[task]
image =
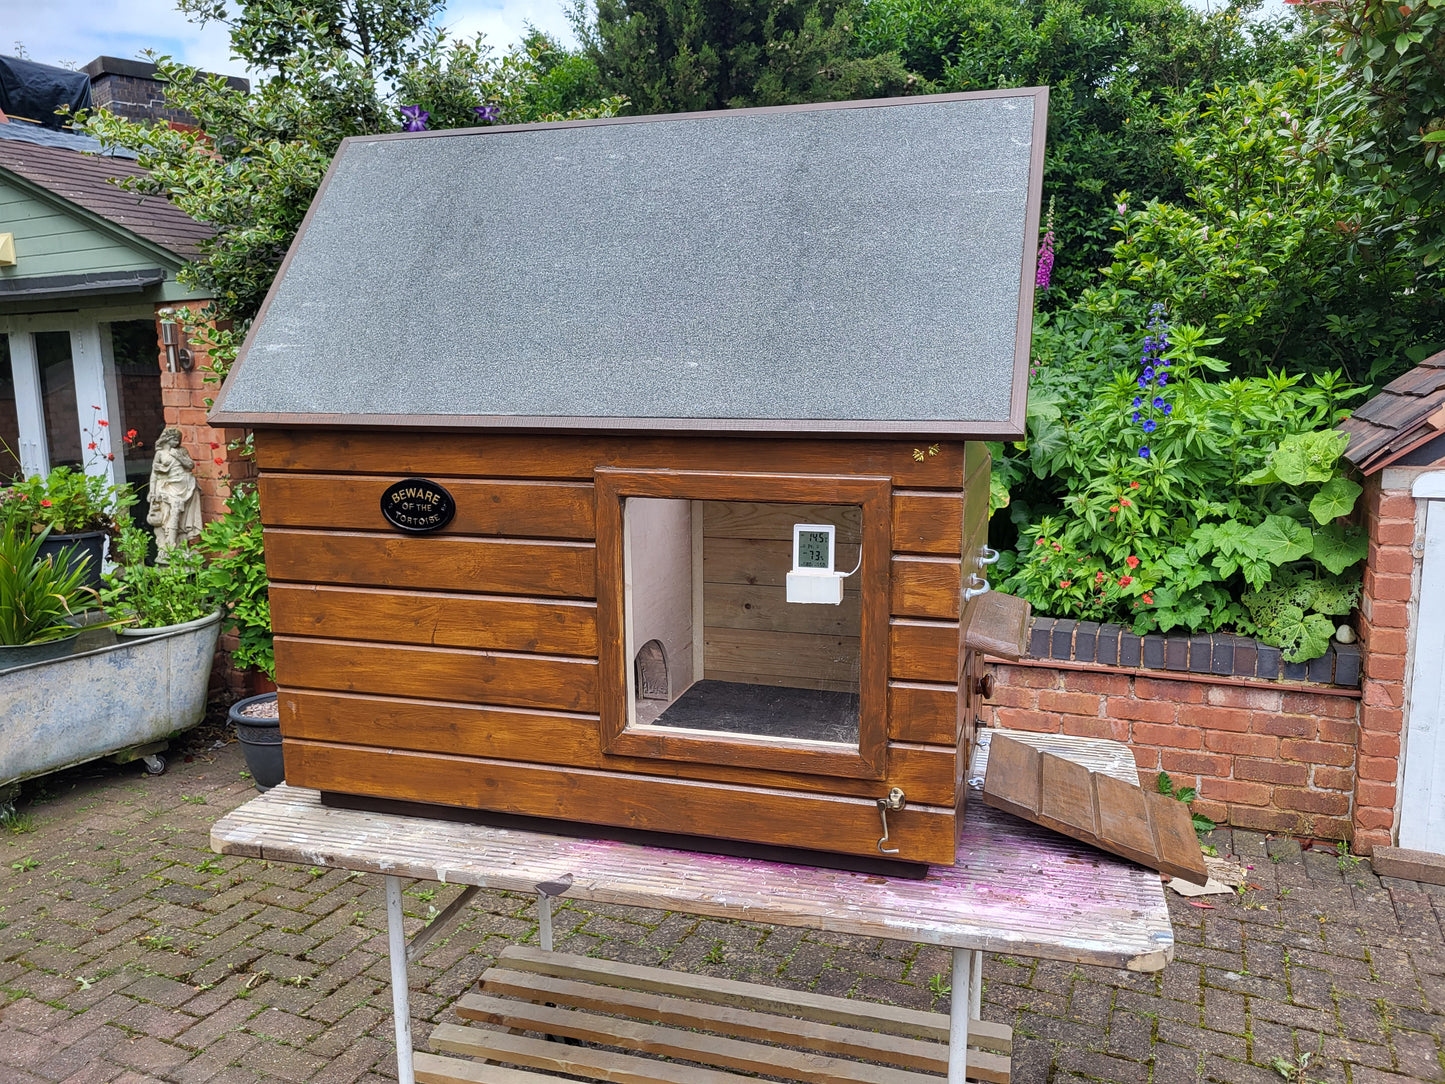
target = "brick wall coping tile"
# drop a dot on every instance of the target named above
(1209, 658)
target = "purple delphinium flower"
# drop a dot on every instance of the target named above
(1148, 425)
(416, 118)
(1158, 403)
(1137, 401)
(486, 113)
(1144, 452)
(1135, 418)
(1168, 408)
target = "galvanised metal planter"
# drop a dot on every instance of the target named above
(108, 696)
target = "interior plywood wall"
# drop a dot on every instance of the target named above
(750, 632)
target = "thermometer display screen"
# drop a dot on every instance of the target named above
(813, 549)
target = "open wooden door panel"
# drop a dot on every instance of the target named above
(1148, 828)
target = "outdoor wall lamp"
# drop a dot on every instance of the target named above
(178, 352)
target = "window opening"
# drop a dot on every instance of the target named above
(707, 582)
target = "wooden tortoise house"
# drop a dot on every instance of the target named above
(630, 472)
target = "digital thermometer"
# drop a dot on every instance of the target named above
(813, 579)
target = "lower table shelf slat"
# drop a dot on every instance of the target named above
(652, 1026)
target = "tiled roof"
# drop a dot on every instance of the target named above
(85, 179)
(1406, 413)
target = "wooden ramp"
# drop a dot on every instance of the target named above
(645, 1025)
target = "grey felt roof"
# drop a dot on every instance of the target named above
(849, 268)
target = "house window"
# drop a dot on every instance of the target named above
(56, 368)
(9, 420)
(693, 569)
(62, 374)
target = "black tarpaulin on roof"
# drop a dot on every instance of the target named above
(31, 91)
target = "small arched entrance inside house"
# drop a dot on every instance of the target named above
(651, 671)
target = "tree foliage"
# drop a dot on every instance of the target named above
(1391, 70)
(669, 56)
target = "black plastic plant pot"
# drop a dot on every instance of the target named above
(89, 546)
(260, 739)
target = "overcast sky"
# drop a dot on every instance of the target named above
(75, 32)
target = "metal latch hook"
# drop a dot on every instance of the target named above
(895, 801)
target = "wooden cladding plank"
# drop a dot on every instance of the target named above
(727, 1053)
(762, 562)
(490, 566)
(750, 519)
(785, 818)
(923, 651)
(923, 713)
(487, 622)
(735, 1023)
(510, 509)
(745, 606)
(926, 587)
(530, 681)
(489, 455)
(1144, 826)
(752, 651)
(926, 522)
(925, 772)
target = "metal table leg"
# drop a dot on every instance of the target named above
(400, 1002)
(960, 1004)
(544, 921)
(975, 1000)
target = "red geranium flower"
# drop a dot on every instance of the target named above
(1148, 598)
(1132, 561)
(1099, 578)
(1065, 583)
(1133, 485)
(102, 422)
(220, 461)
(1125, 581)
(44, 504)
(1126, 502)
(91, 446)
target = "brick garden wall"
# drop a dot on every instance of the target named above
(1268, 754)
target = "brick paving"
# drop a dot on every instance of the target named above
(130, 953)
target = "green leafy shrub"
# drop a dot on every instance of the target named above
(237, 575)
(65, 501)
(156, 595)
(1187, 502)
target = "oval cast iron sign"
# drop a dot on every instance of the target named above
(417, 505)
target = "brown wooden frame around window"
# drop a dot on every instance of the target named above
(873, 495)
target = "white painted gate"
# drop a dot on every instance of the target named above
(1422, 790)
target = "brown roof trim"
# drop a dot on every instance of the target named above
(809, 427)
